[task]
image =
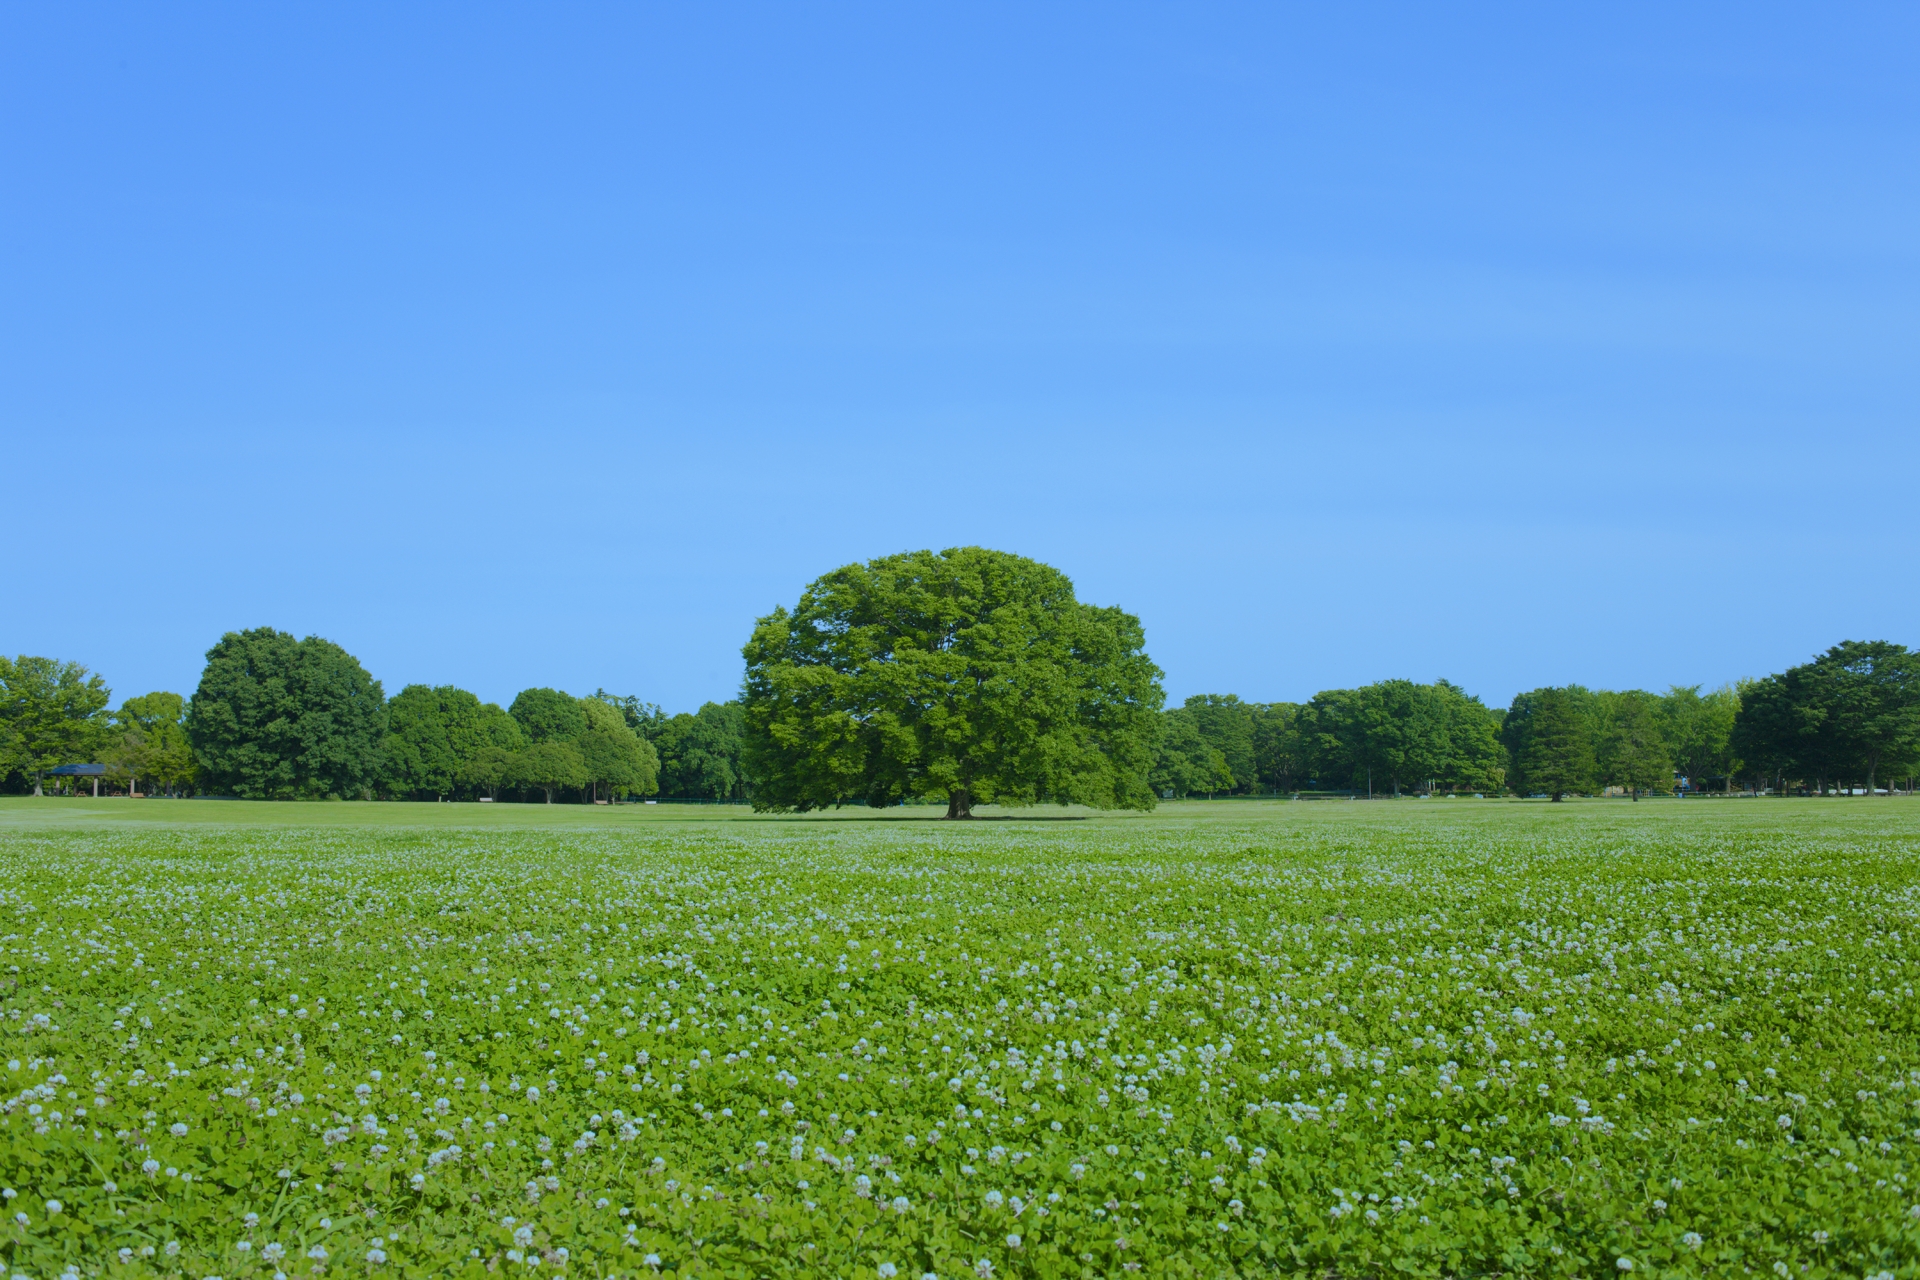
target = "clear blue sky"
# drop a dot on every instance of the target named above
(552, 344)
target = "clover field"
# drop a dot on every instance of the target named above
(1438, 1038)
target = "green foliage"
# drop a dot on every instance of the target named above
(1633, 750)
(1393, 734)
(548, 715)
(1853, 712)
(1282, 754)
(152, 741)
(1227, 723)
(1550, 735)
(644, 718)
(1698, 731)
(276, 718)
(969, 674)
(701, 754)
(1184, 761)
(614, 757)
(547, 767)
(1436, 1040)
(51, 713)
(436, 735)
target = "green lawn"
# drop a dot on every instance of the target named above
(1236, 1038)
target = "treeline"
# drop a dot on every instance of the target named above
(1850, 718)
(279, 718)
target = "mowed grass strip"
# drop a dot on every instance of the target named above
(1235, 1039)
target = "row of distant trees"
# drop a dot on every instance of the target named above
(1849, 718)
(279, 718)
(276, 717)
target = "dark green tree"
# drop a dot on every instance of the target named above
(1550, 735)
(276, 718)
(1279, 751)
(700, 754)
(1780, 728)
(1871, 690)
(969, 674)
(51, 713)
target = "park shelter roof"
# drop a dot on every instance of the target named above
(78, 771)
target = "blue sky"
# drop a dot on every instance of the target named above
(551, 345)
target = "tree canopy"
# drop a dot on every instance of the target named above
(51, 713)
(1853, 712)
(277, 718)
(968, 673)
(434, 734)
(153, 741)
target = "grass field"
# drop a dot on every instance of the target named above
(1446, 1038)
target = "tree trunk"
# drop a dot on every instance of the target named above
(36, 782)
(959, 803)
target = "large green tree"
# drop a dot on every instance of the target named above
(1633, 748)
(1474, 758)
(1780, 728)
(969, 674)
(1550, 738)
(152, 741)
(1853, 713)
(1184, 761)
(51, 713)
(547, 767)
(1872, 693)
(701, 753)
(435, 733)
(548, 715)
(277, 718)
(613, 755)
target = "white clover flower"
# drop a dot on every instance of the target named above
(1625, 1264)
(177, 1129)
(1785, 1122)
(887, 1271)
(149, 1167)
(1013, 1240)
(1692, 1240)
(54, 1206)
